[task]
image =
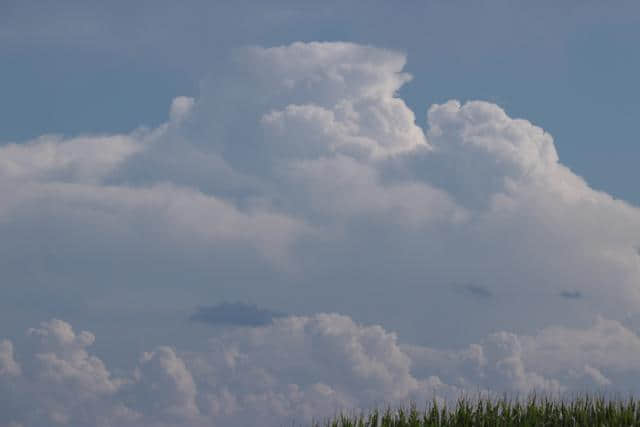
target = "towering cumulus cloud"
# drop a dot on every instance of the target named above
(299, 179)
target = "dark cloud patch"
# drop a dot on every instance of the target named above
(571, 294)
(476, 291)
(234, 314)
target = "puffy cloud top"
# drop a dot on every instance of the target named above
(332, 71)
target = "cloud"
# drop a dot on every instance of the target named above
(171, 387)
(80, 159)
(60, 382)
(238, 314)
(302, 368)
(571, 294)
(298, 178)
(477, 291)
(180, 108)
(8, 365)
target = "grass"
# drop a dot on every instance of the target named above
(583, 411)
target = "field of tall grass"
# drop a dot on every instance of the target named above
(583, 411)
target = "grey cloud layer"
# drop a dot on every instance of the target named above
(299, 176)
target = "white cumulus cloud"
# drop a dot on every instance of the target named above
(302, 368)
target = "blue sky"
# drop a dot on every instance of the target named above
(359, 201)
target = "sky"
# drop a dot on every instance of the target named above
(218, 212)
